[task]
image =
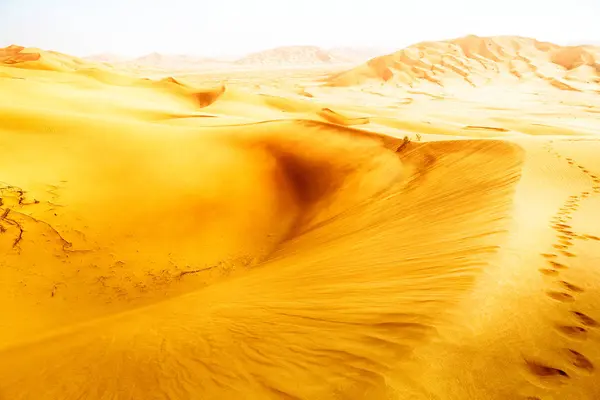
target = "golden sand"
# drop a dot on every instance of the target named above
(259, 235)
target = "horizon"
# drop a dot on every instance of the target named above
(184, 27)
(227, 56)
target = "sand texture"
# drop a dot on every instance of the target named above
(422, 226)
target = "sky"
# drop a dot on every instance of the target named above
(238, 27)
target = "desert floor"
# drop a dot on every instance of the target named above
(172, 238)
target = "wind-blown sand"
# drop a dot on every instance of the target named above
(259, 235)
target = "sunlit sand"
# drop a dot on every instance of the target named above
(421, 226)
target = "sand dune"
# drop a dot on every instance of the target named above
(291, 55)
(219, 236)
(476, 61)
(279, 56)
(14, 54)
(327, 205)
(337, 118)
(31, 58)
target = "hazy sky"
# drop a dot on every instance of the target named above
(232, 27)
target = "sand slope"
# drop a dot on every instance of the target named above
(312, 288)
(475, 61)
(194, 238)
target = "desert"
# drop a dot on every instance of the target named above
(302, 222)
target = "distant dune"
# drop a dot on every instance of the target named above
(475, 61)
(14, 54)
(279, 56)
(33, 58)
(291, 55)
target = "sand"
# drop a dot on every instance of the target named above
(266, 234)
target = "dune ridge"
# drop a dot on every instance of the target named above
(296, 307)
(476, 61)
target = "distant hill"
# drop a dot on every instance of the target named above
(291, 55)
(475, 61)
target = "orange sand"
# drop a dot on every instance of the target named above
(259, 235)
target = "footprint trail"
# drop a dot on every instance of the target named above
(565, 293)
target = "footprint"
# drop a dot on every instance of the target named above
(565, 226)
(586, 319)
(548, 271)
(557, 265)
(560, 246)
(546, 374)
(566, 253)
(573, 332)
(571, 287)
(567, 232)
(592, 237)
(580, 361)
(549, 255)
(564, 231)
(565, 242)
(560, 296)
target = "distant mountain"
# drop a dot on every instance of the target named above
(286, 55)
(291, 55)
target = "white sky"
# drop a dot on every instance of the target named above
(237, 27)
